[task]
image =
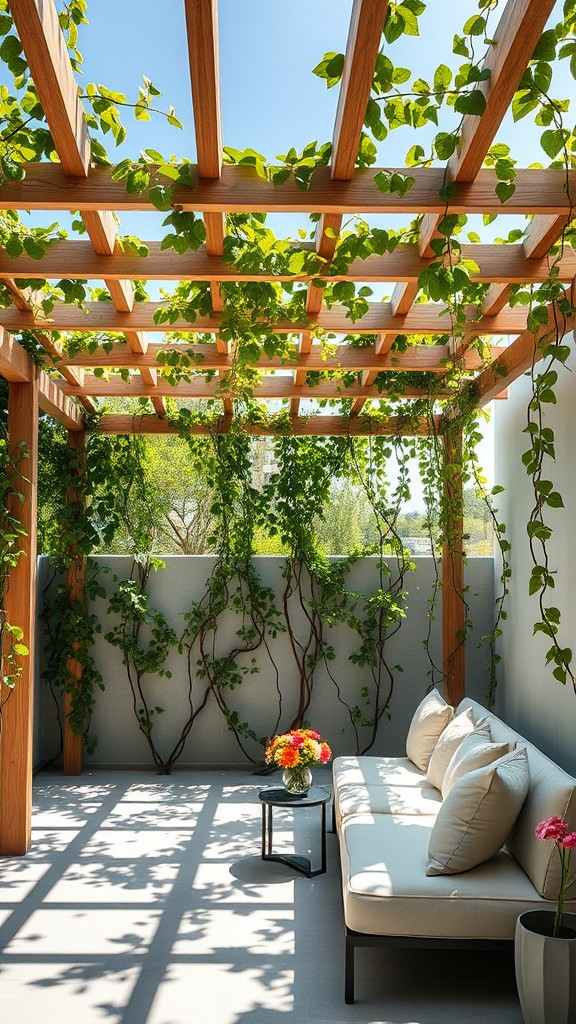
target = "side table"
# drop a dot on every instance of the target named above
(279, 797)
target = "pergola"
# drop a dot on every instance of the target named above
(335, 191)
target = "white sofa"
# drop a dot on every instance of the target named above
(384, 812)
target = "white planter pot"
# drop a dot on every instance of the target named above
(545, 969)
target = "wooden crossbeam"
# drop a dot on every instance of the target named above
(268, 387)
(364, 37)
(47, 55)
(416, 359)
(541, 235)
(240, 190)
(425, 318)
(522, 353)
(17, 367)
(499, 263)
(337, 426)
(514, 41)
(15, 363)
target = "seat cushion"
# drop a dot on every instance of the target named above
(478, 815)
(375, 771)
(448, 742)
(430, 718)
(357, 798)
(387, 892)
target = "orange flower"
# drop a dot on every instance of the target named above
(288, 758)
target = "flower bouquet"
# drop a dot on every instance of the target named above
(297, 752)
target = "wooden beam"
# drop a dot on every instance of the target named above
(15, 363)
(522, 353)
(73, 745)
(45, 49)
(16, 748)
(240, 190)
(514, 42)
(269, 387)
(337, 426)
(202, 30)
(364, 38)
(56, 404)
(499, 263)
(416, 359)
(424, 318)
(453, 597)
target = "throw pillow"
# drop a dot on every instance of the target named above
(448, 742)
(478, 814)
(430, 718)
(475, 751)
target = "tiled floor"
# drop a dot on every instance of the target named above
(144, 901)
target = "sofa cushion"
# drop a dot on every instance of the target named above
(552, 791)
(448, 742)
(430, 718)
(475, 751)
(386, 890)
(478, 814)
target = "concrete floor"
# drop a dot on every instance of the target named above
(144, 901)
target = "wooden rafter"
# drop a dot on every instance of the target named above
(45, 48)
(202, 29)
(364, 37)
(497, 263)
(17, 367)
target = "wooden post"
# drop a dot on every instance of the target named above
(73, 745)
(20, 607)
(453, 600)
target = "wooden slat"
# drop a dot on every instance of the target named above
(417, 358)
(453, 598)
(272, 386)
(240, 190)
(337, 426)
(424, 318)
(17, 366)
(499, 263)
(73, 745)
(381, 349)
(16, 749)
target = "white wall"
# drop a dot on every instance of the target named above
(532, 701)
(210, 741)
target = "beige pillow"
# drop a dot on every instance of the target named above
(478, 815)
(475, 751)
(448, 742)
(430, 718)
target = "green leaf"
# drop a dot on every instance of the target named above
(552, 142)
(442, 78)
(546, 46)
(505, 190)
(473, 102)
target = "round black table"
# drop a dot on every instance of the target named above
(277, 796)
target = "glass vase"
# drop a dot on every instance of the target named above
(297, 780)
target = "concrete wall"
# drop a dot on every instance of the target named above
(210, 741)
(532, 701)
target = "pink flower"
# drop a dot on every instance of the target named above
(325, 753)
(553, 828)
(569, 840)
(296, 741)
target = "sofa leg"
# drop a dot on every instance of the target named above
(349, 971)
